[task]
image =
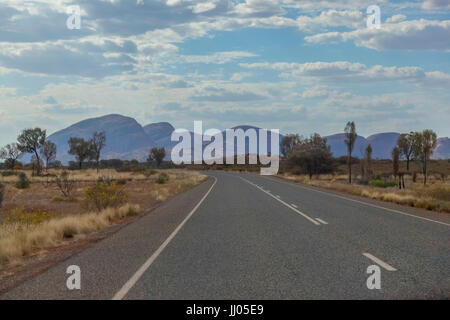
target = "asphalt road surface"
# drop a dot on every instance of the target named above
(245, 236)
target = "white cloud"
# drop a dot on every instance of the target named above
(340, 71)
(408, 35)
(217, 57)
(436, 4)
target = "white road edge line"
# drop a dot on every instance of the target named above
(321, 221)
(362, 202)
(294, 205)
(130, 283)
(379, 262)
(286, 204)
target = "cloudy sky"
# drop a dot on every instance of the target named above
(301, 66)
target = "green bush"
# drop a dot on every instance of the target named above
(381, 184)
(100, 196)
(23, 182)
(162, 178)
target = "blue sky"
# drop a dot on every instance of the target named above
(300, 66)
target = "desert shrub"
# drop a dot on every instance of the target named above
(381, 184)
(2, 190)
(65, 184)
(9, 173)
(26, 216)
(436, 191)
(106, 180)
(148, 173)
(100, 196)
(122, 182)
(162, 178)
(23, 181)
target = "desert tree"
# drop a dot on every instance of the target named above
(48, 152)
(366, 164)
(404, 144)
(97, 142)
(312, 155)
(156, 155)
(81, 149)
(10, 153)
(288, 142)
(350, 139)
(30, 141)
(395, 160)
(424, 144)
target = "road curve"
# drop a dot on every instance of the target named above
(244, 236)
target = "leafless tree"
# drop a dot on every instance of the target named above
(98, 142)
(65, 184)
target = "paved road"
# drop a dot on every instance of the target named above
(242, 236)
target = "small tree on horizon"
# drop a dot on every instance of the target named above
(424, 144)
(10, 153)
(48, 152)
(366, 164)
(81, 149)
(97, 142)
(288, 142)
(30, 141)
(157, 155)
(395, 161)
(350, 139)
(312, 155)
(405, 145)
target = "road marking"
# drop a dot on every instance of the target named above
(130, 283)
(379, 262)
(321, 221)
(286, 204)
(294, 205)
(361, 202)
(277, 196)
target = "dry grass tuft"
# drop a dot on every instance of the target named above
(435, 196)
(18, 240)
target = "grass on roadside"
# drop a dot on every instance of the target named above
(434, 197)
(19, 240)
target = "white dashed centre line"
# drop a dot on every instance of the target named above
(321, 221)
(379, 262)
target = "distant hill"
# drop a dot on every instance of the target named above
(339, 148)
(126, 139)
(382, 145)
(442, 150)
(160, 133)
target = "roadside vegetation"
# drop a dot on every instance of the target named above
(44, 203)
(71, 205)
(408, 178)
